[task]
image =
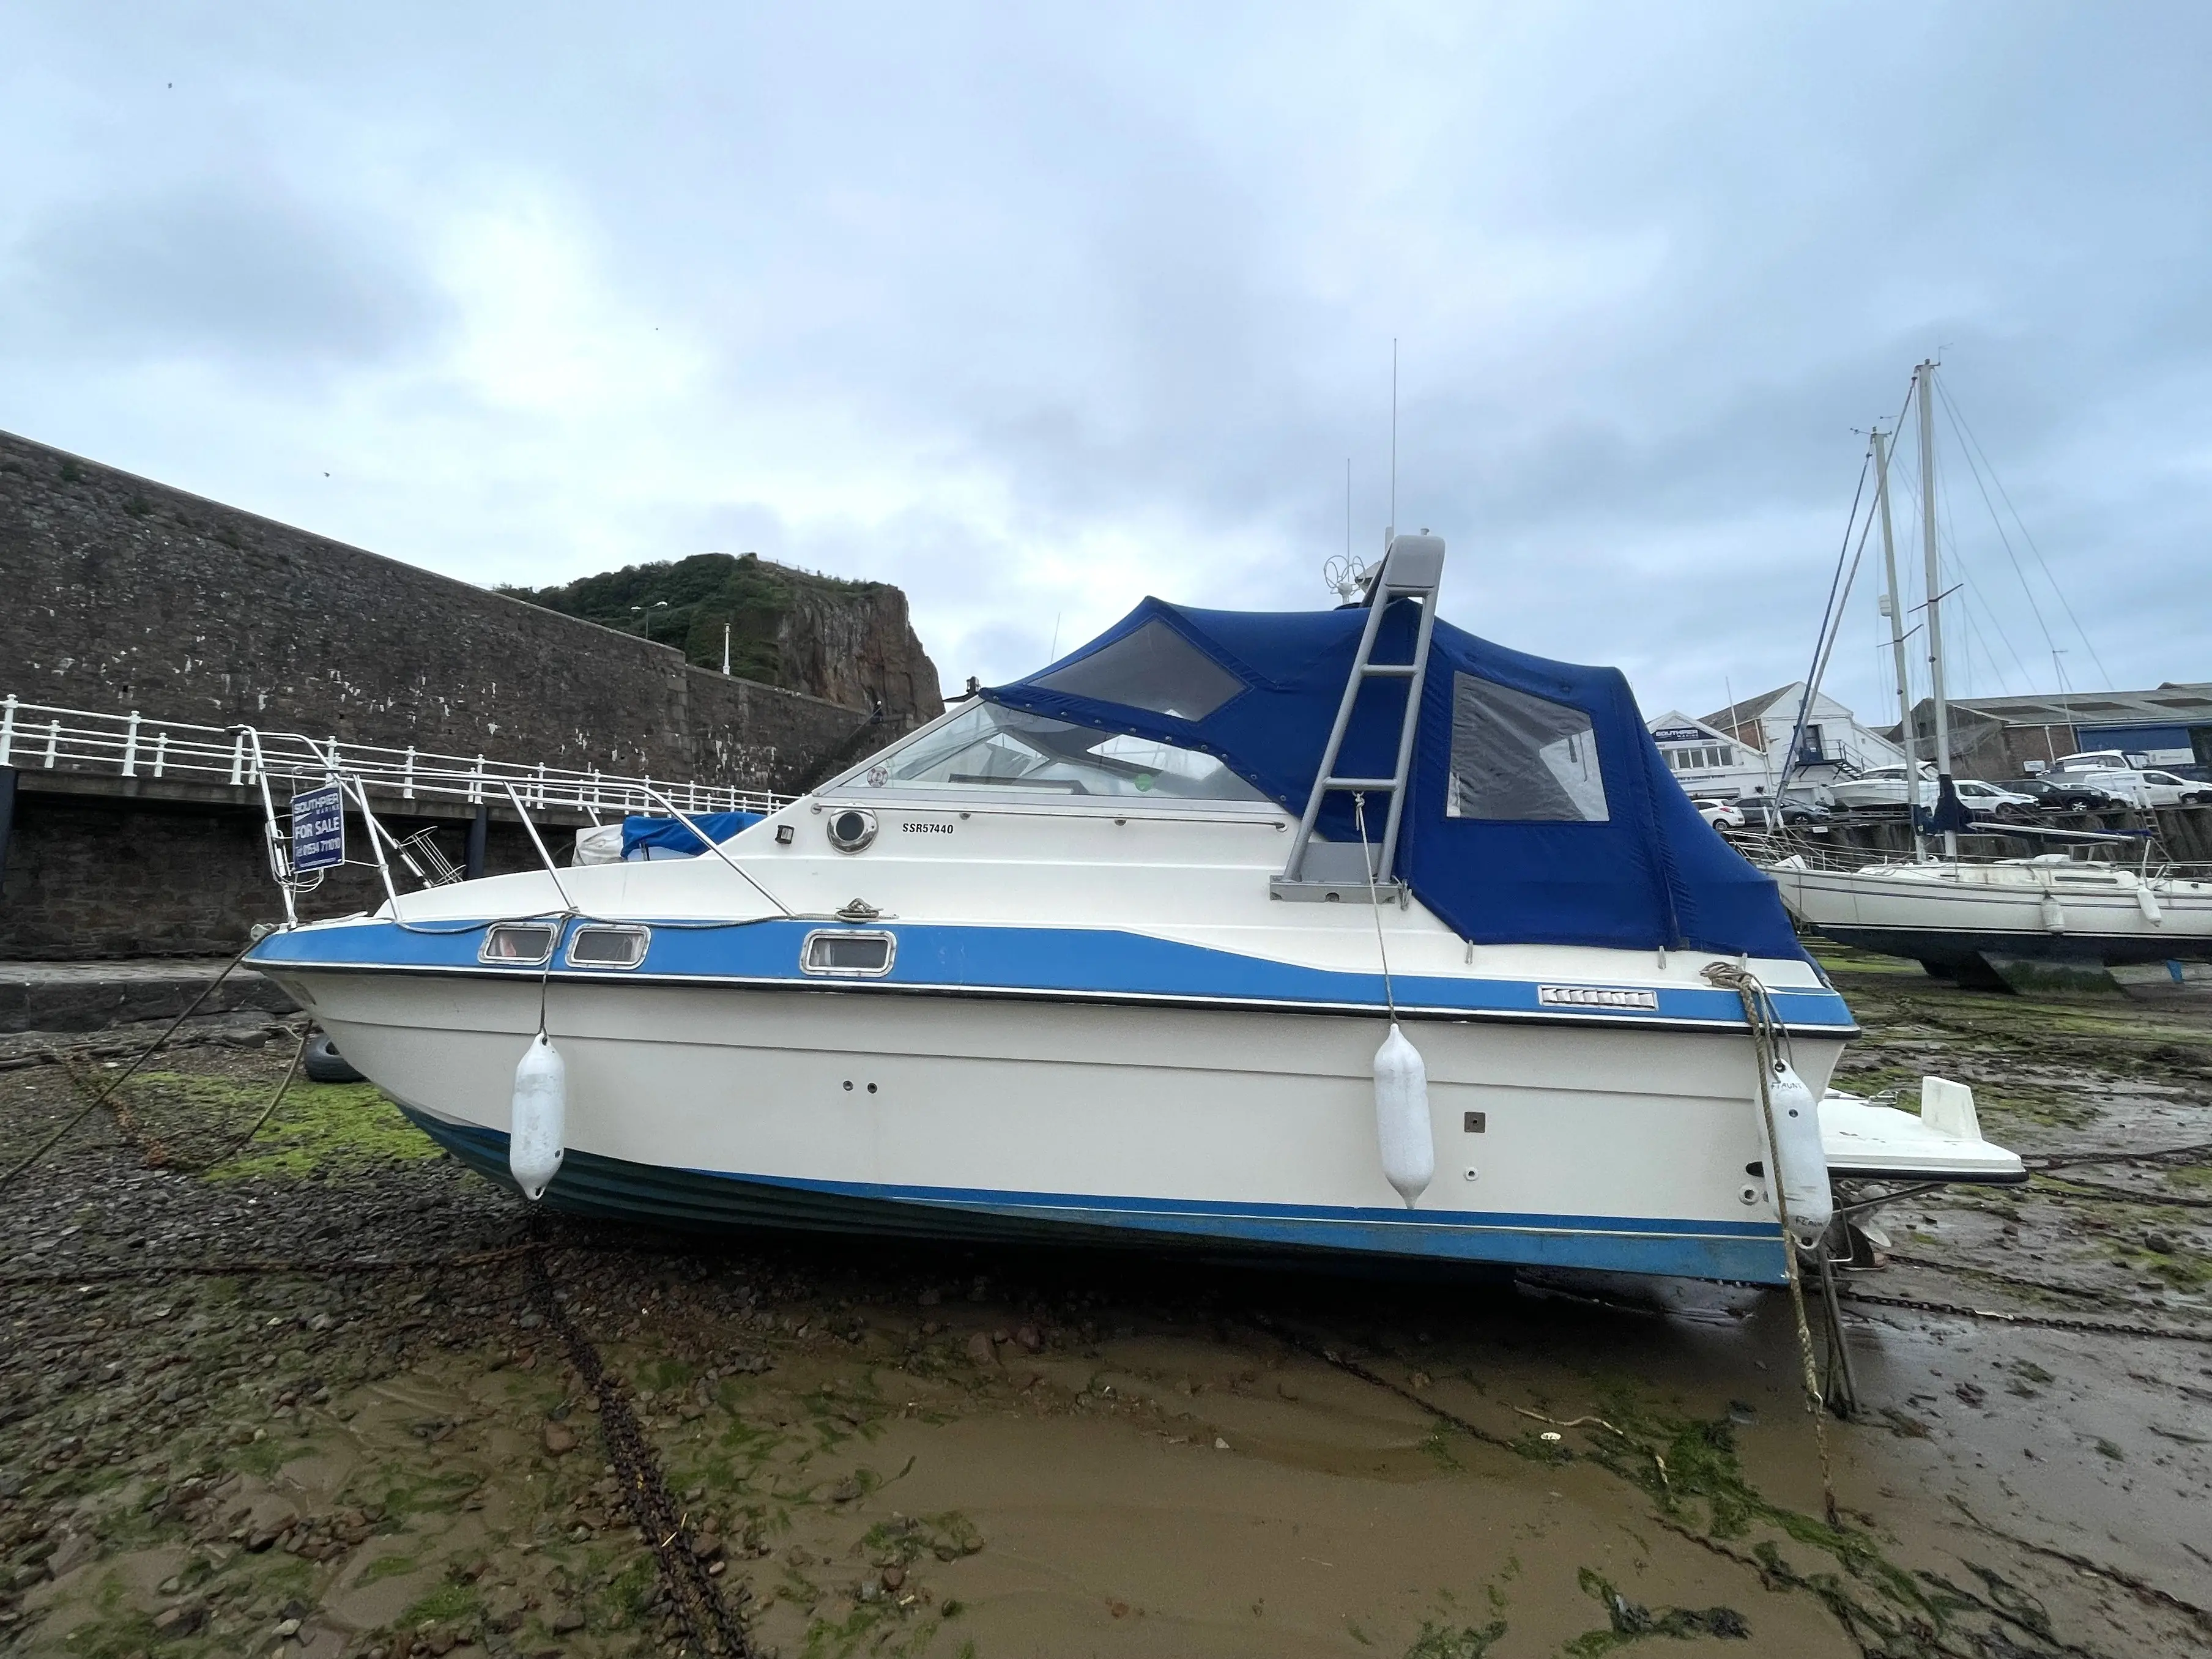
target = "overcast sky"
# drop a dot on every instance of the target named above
(1034, 314)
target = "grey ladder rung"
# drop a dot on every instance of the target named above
(1412, 567)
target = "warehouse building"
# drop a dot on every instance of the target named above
(1999, 737)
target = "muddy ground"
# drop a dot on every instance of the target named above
(220, 1434)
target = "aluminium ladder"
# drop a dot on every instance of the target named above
(1332, 871)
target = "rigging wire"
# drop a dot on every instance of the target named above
(2026, 535)
(1950, 540)
(1820, 669)
(1832, 618)
(2018, 570)
(1824, 640)
(1947, 540)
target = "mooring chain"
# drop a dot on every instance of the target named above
(1329, 1356)
(1759, 1014)
(697, 1598)
(251, 1267)
(2044, 1321)
(2073, 1186)
(127, 1072)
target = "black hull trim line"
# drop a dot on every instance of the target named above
(1966, 949)
(659, 1196)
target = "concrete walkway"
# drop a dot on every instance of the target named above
(91, 996)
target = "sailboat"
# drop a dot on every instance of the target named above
(1988, 921)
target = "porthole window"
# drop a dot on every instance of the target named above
(851, 828)
(521, 944)
(848, 954)
(599, 946)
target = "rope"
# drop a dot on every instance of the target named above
(283, 1085)
(1759, 1014)
(124, 1076)
(1374, 903)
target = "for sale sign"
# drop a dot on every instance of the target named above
(319, 829)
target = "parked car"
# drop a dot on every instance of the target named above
(1721, 814)
(1993, 800)
(2171, 789)
(2057, 792)
(1765, 812)
(2096, 760)
(2146, 788)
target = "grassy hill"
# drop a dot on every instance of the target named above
(684, 603)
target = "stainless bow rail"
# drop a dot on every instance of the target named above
(39, 736)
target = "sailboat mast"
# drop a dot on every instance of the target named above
(1896, 606)
(1925, 375)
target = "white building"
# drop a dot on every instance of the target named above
(1707, 762)
(1744, 750)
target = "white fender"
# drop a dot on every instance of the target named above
(538, 1122)
(2146, 901)
(2054, 914)
(1402, 1131)
(1799, 1162)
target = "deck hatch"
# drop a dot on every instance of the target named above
(602, 944)
(843, 953)
(519, 944)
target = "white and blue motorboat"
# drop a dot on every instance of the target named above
(1117, 950)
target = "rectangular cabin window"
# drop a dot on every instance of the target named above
(990, 747)
(1521, 759)
(600, 945)
(1154, 668)
(524, 944)
(843, 954)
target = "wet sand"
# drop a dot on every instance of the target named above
(885, 1449)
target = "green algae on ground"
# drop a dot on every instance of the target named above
(451, 1602)
(316, 1126)
(1445, 1642)
(1686, 1465)
(1630, 1621)
(386, 1566)
(1848, 959)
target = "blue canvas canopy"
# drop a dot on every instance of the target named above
(1538, 809)
(644, 838)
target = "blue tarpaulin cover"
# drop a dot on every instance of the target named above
(642, 836)
(1512, 833)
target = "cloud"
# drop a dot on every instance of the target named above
(245, 276)
(1034, 313)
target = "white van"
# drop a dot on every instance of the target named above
(2149, 787)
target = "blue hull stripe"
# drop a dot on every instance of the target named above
(587, 1184)
(1065, 964)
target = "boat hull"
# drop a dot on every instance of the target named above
(1957, 924)
(987, 1117)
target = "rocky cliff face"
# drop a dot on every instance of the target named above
(848, 642)
(860, 650)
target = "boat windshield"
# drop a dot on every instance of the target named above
(989, 747)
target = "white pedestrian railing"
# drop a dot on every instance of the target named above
(35, 736)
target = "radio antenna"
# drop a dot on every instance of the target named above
(1347, 507)
(1391, 529)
